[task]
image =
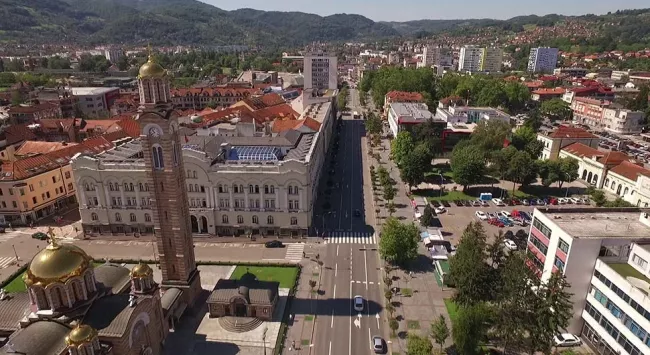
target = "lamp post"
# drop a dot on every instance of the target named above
(16, 254)
(264, 339)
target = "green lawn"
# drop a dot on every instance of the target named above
(450, 196)
(452, 309)
(285, 275)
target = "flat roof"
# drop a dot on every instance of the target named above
(92, 90)
(599, 222)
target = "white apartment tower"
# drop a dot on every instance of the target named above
(476, 59)
(542, 60)
(320, 71)
(436, 55)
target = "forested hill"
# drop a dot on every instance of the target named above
(165, 22)
(191, 22)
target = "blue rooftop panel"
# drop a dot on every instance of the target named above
(252, 153)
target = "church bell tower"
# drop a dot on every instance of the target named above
(166, 179)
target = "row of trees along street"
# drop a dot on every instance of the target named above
(500, 301)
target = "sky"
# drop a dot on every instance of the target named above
(406, 10)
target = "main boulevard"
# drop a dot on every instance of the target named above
(351, 265)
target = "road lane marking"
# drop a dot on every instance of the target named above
(369, 339)
(336, 270)
(337, 250)
(350, 333)
(330, 347)
(334, 295)
(365, 263)
(6, 261)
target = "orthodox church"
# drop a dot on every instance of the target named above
(74, 306)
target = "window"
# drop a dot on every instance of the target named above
(639, 261)
(47, 194)
(93, 216)
(11, 191)
(157, 156)
(13, 203)
(564, 246)
(255, 220)
(4, 204)
(202, 188)
(67, 174)
(22, 192)
(190, 188)
(204, 203)
(224, 219)
(269, 220)
(31, 189)
(54, 179)
(1, 192)
(34, 200)
(147, 217)
(220, 188)
(542, 228)
(174, 154)
(25, 204)
(536, 242)
(194, 174)
(132, 217)
(240, 219)
(559, 263)
(189, 173)
(70, 186)
(224, 203)
(118, 217)
(294, 221)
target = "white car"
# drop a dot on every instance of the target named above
(576, 200)
(498, 202)
(481, 215)
(440, 210)
(510, 244)
(505, 214)
(567, 339)
(358, 303)
(563, 201)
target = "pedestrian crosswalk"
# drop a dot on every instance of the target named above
(348, 237)
(6, 261)
(294, 252)
(6, 237)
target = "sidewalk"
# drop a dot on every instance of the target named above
(300, 326)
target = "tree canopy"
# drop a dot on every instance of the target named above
(468, 164)
(418, 345)
(399, 242)
(556, 109)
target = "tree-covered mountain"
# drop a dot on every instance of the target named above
(172, 22)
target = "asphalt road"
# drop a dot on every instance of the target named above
(351, 264)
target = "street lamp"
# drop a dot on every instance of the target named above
(264, 339)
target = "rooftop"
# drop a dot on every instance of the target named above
(626, 270)
(571, 132)
(599, 222)
(411, 111)
(92, 90)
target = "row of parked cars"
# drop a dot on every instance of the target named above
(503, 219)
(514, 202)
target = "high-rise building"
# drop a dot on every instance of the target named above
(542, 60)
(165, 175)
(476, 59)
(113, 54)
(320, 71)
(436, 55)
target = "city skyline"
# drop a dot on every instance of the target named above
(410, 10)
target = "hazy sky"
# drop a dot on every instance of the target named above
(404, 10)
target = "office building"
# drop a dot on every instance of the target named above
(604, 255)
(468, 115)
(113, 54)
(95, 102)
(542, 60)
(320, 71)
(403, 115)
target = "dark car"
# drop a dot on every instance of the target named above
(39, 236)
(2, 229)
(274, 244)
(357, 213)
(446, 204)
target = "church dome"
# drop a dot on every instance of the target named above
(57, 263)
(81, 334)
(151, 69)
(141, 270)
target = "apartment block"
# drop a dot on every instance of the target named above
(542, 60)
(320, 70)
(477, 59)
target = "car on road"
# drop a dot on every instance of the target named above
(439, 210)
(481, 215)
(357, 213)
(358, 303)
(274, 244)
(566, 340)
(498, 202)
(378, 345)
(510, 244)
(39, 236)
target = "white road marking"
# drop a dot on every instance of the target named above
(369, 339)
(336, 271)
(6, 261)
(350, 333)
(365, 264)
(332, 322)
(350, 237)
(330, 348)
(357, 323)
(294, 251)
(337, 250)
(377, 316)
(334, 295)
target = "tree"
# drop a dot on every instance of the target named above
(57, 62)
(342, 100)
(7, 79)
(399, 242)
(17, 97)
(560, 170)
(599, 198)
(470, 328)
(440, 331)
(556, 109)
(518, 95)
(534, 120)
(389, 192)
(401, 147)
(415, 165)
(490, 135)
(468, 164)
(426, 219)
(552, 309)
(384, 176)
(122, 63)
(429, 134)
(521, 169)
(393, 324)
(373, 124)
(417, 345)
(467, 268)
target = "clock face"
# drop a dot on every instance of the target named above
(154, 132)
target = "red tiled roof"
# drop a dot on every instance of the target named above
(129, 126)
(47, 105)
(18, 133)
(404, 96)
(534, 84)
(571, 132)
(582, 150)
(38, 147)
(309, 123)
(613, 158)
(230, 91)
(548, 91)
(283, 125)
(630, 170)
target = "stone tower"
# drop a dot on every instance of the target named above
(166, 178)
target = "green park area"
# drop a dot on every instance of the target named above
(285, 275)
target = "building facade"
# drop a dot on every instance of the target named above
(477, 59)
(403, 115)
(437, 55)
(601, 115)
(542, 60)
(562, 137)
(321, 71)
(604, 256)
(468, 115)
(94, 101)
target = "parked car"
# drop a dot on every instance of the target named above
(39, 236)
(358, 303)
(510, 244)
(506, 221)
(491, 215)
(439, 210)
(566, 339)
(446, 204)
(505, 214)
(563, 201)
(378, 345)
(496, 222)
(575, 200)
(2, 229)
(525, 216)
(274, 244)
(498, 202)
(540, 202)
(435, 203)
(484, 203)
(525, 202)
(481, 215)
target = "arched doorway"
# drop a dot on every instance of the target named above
(618, 190)
(584, 174)
(589, 177)
(595, 180)
(239, 307)
(204, 224)
(195, 224)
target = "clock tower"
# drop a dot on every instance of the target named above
(166, 179)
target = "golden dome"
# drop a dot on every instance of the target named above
(57, 263)
(141, 270)
(81, 334)
(151, 69)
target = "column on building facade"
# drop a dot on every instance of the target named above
(302, 203)
(232, 201)
(278, 205)
(99, 197)
(137, 195)
(247, 205)
(262, 205)
(215, 196)
(108, 196)
(84, 201)
(207, 198)
(122, 195)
